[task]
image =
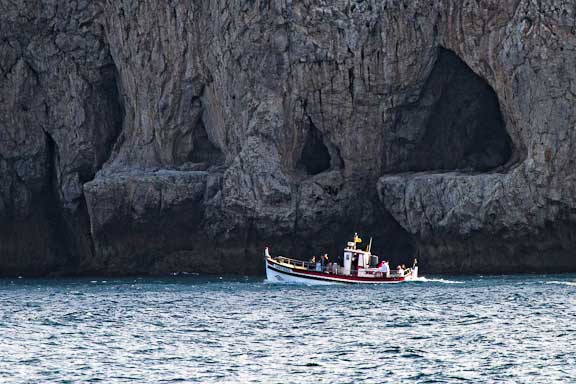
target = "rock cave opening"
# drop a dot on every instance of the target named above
(315, 157)
(49, 199)
(110, 123)
(455, 125)
(462, 127)
(204, 151)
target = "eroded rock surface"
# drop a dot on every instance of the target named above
(158, 137)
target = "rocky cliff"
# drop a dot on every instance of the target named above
(161, 136)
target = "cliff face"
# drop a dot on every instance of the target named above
(150, 136)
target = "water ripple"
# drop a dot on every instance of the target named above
(183, 329)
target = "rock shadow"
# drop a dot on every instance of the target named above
(318, 153)
(457, 123)
(204, 151)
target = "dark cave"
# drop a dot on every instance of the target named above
(462, 125)
(204, 150)
(110, 99)
(454, 125)
(315, 156)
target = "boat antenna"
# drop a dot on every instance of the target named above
(369, 246)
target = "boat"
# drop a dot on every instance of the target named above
(358, 267)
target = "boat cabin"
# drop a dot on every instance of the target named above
(359, 262)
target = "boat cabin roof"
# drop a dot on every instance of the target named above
(356, 251)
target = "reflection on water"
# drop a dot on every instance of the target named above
(442, 329)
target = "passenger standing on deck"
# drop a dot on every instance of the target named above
(312, 264)
(385, 268)
(400, 270)
(319, 262)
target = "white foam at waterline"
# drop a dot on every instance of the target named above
(300, 283)
(418, 279)
(443, 281)
(570, 283)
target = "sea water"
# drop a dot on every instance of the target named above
(505, 329)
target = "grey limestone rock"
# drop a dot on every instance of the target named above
(175, 136)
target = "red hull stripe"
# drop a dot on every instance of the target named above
(329, 276)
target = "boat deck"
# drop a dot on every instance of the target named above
(310, 269)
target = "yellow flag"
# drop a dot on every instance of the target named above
(358, 240)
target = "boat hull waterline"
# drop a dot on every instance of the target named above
(277, 273)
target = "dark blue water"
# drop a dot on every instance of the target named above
(481, 329)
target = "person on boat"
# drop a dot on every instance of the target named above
(385, 268)
(319, 263)
(329, 268)
(312, 264)
(405, 270)
(326, 259)
(400, 270)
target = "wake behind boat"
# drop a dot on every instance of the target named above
(358, 267)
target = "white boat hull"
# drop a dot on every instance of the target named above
(274, 276)
(276, 273)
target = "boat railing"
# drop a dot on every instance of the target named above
(312, 266)
(296, 263)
